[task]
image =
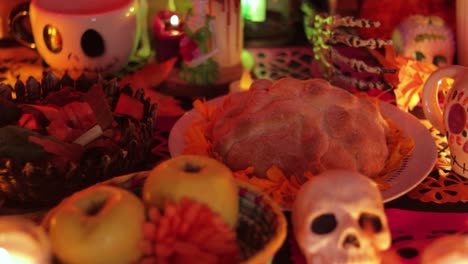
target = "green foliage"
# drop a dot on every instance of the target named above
(182, 6)
(205, 73)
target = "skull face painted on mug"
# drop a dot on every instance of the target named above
(86, 36)
(451, 118)
(338, 218)
(456, 119)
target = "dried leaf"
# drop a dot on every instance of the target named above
(151, 75)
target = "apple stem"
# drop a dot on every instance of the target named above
(95, 208)
(192, 168)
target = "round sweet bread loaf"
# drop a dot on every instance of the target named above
(300, 126)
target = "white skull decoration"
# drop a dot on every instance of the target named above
(338, 218)
(427, 39)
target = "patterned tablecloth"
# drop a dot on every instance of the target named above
(437, 206)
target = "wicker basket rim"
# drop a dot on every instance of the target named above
(280, 233)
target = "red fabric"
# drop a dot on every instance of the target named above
(75, 119)
(385, 11)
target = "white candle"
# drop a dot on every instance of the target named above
(22, 242)
(228, 31)
(462, 32)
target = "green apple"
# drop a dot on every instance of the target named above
(201, 178)
(101, 224)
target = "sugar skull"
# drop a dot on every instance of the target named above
(338, 217)
(426, 39)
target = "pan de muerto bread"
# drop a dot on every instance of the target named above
(299, 126)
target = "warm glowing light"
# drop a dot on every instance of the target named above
(52, 31)
(23, 242)
(5, 257)
(14, 258)
(243, 84)
(245, 81)
(130, 11)
(174, 20)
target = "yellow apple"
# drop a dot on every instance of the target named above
(101, 224)
(201, 178)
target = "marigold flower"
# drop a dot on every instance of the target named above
(188, 232)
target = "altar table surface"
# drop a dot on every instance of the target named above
(436, 207)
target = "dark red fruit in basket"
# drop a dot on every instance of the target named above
(9, 112)
(63, 96)
(58, 168)
(33, 119)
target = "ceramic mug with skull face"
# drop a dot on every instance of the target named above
(85, 35)
(452, 119)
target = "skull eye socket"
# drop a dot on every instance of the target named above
(419, 56)
(323, 224)
(439, 60)
(52, 38)
(407, 253)
(370, 222)
(92, 43)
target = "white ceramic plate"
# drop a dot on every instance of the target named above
(412, 171)
(421, 162)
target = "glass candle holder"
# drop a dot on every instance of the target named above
(23, 242)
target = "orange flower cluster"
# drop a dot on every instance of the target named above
(281, 188)
(409, 82)
(412, 75)
(188, 232)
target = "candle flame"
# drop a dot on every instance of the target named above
(174, 20)
(245, 81)
(5, 257)
(130, 11)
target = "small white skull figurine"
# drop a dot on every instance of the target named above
(338, 218)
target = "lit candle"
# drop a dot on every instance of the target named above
(243, 84)
(23, 242)
(168, 31)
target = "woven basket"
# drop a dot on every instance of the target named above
(37, 183)
(261, 226)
